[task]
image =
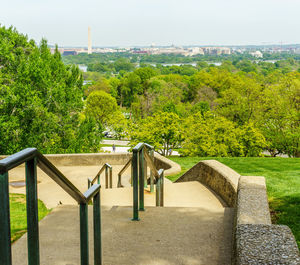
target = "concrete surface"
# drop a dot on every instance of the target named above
(164, 236)
(119, 149)
(189, 194)
(252, 202)
(220, 178)
(266, 244)
(115, 142)
(52, 194)
(193, 194)
(256, 241)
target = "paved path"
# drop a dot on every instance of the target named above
(116, 142)
(185, 194)
(164, 236)
(52, 194)
(194, 227)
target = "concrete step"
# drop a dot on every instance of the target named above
(164, 235)
(184, 194)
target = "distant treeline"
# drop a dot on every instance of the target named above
(236, 109)
(87, 59)
(239, 108)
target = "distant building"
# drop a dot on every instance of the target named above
(70, 53)
(257, 54)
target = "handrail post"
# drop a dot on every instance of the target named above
(32, 213)
(106, 177)
(135, 186)
(119, 181)
(84, 236)
(157, 195)
(151, 174)
(145, 169)
(97, 229)
(131, 174)
(5, 244)
(162, 190)
(141, 179)
(110, 177)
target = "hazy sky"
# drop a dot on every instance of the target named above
(163, 22)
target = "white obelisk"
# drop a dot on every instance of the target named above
(89, 41)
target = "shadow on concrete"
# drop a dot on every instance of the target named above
(163, 236)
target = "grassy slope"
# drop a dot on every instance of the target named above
(283, 183)
(18, 214)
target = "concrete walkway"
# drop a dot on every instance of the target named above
(164, 236)
(194, 227)
(52, 194)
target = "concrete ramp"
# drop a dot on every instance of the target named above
(164, 236)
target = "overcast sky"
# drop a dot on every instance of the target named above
(163, 22)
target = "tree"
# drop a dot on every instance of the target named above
(280, 116)
(123, 64)
(40, 97)
(130, 87)
(211, 135)
(101, 84)
(162, 130)
(240, 102)
(101, 106)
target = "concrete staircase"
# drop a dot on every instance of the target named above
(193, 228)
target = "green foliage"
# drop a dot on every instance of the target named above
(280, 116)
(162, 130)
(229, 106)
(41, 98)
(101, 106)
(255, 107)
(216, 136)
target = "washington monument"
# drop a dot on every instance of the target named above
(89, 41)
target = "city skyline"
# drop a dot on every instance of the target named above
(141, 23)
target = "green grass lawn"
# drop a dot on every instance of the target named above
(18, 214)
(283, 183)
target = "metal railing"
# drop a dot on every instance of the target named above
(33, 158)
(140, 157)
(129, 163)
(108, 180)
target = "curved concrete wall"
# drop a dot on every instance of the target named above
(256, 240)
(89, 159)
(92, 159)
(170, 167)
(221, 179)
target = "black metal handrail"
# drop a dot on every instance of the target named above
(33, 158)
(139, 178)
(108, 181)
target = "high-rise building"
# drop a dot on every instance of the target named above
(89, 41)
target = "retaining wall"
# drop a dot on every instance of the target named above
(170, 167)
(92, 159)
(217, 176)
(256, 240)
